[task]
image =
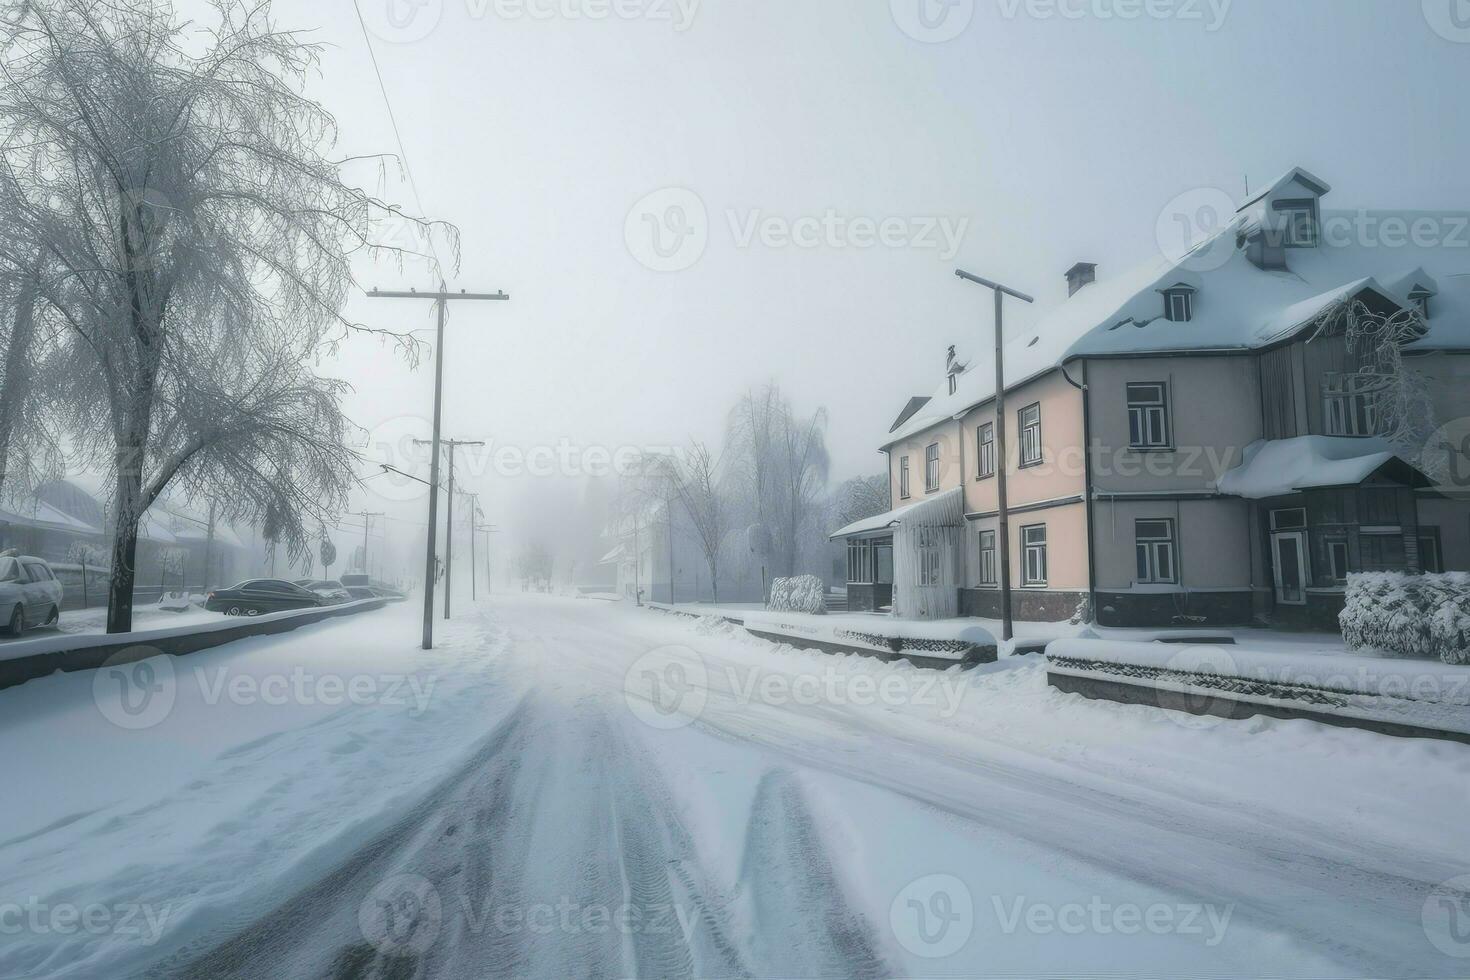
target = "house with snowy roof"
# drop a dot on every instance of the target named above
(1202, 440)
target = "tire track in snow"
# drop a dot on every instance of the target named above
(804, 923)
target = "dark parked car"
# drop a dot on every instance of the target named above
(329, 589)
(263, 595)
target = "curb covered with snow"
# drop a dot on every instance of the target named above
(937, 643)
(1397, 697)
(29, 659)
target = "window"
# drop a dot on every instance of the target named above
(1348, 405)
(1382, 552)
(1420, 298)
(9, 570)
(985, 450)
(1429, 560)
(903, 476)
(930, 555)
(1178, 305)
(860, 562)
(1292, 519)
(1148, 416)
(1299, 222)
(988, 575)
(1030, 420)
(1033, 543)
(931, 468)
(1379, 507)
(953, 383)
(1337, 558)
(1154, 547)
(39, 572)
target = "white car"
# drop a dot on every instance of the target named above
(30, 595)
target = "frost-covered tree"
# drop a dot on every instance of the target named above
(704, 502)
(860, 497)
(198, 238)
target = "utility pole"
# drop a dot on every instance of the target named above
(208, 546)
(442, 299)
(1003, 539)
(367, 523)
(489, 529)
(451, 445)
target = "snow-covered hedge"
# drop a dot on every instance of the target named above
(802, 594)
(1410, 615)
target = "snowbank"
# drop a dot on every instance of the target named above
(1400, 692)
(952, 639)
(802, 594)
(1409, 615)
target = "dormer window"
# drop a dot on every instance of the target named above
(1179, 303)
(953, 384)
(1420, 298)
(1298, 222)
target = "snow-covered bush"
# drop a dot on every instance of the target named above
(802, 594)
(1409, 615)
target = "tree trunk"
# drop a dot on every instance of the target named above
(124, 570)
(16, 383)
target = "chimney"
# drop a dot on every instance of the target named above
(949, 358)
(1080, 275)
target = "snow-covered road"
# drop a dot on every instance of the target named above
(575, 788)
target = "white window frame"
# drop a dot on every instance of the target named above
(931, 467)
(1346, 410)
(860, 561)
(1178, 305)
(1151, 547)
(989, 560)
(1338, 571)
(985, 451)
(1033, 556)
(1430, 533)
(1031, 451)
(1148, 416)
(903, 477)
(1296, 233)
(931, 554)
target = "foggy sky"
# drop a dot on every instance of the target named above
(1048, 133)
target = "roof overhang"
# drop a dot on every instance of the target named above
(944, 509)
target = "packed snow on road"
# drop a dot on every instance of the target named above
(579, 788)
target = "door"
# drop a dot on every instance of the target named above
(1289, 561)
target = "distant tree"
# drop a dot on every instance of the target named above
(781, 464)
(700, 494)
(860, 497)
(534, 563)
(199, 239)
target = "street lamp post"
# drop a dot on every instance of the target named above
(1004, 536)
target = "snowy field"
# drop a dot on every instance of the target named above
(571, 788)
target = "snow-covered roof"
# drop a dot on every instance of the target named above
(1238, 306)
(1275, 467)
(614, 556)
(38, 513)
(947, 507)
